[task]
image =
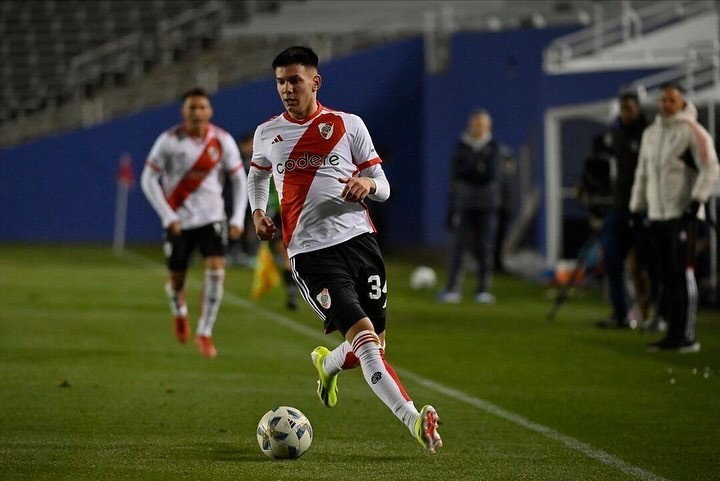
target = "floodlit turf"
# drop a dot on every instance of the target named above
(95, 387)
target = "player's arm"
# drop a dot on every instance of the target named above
(706, 160)
(376, 174)
(258, 188)
(371, 181)
(638, 199)
(238, 180)
(149, 182)
(258, 193)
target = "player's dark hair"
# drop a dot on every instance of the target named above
(296, 55)
(195, 92)
(633, 97)
(673, 85)
(629, 92)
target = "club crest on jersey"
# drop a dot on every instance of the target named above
(324, 299)
(214, 153)
(326, 130)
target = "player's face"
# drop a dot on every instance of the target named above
(298, 85)
(671, 102)
(629, 110)
(479, 125)
(197, 113)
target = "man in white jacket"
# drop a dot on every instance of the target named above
(676, 172)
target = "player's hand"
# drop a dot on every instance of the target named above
(174, 228)
(691, 210)
(356, 188)
(235, 232)
(264, 226)
(636, 221)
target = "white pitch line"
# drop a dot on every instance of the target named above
(488, 407)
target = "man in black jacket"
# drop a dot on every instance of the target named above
(473, 207)
(618, 237)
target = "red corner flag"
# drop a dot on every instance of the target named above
(125, 174)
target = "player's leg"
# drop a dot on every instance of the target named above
(329, 364)
(213, 246)
(291, 289)
(459, 239)
(311, 278)
(177, 252)
(484, 224)
(386, 384)
(685, 284)
(339, 359)
(367, 337)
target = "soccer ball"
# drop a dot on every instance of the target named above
(284, 433)
(423, 277)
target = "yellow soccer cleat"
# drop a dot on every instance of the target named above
(327, 385)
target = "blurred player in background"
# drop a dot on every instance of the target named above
(242, 251)
(192, 159)
(324, 166)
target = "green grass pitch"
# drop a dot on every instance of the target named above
(95, 387)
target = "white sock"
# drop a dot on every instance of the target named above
(340, 358)
(212, 297)
(382, 379)
(177, 301)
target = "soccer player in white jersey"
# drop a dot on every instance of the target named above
(193, 159)
(324, 166)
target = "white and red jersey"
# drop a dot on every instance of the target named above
(193, 171)
(306, 159)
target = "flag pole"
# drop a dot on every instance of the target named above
(125, 181)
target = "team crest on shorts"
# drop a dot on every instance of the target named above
(324, 299)
(326, 130)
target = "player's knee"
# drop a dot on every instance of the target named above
(361, 325)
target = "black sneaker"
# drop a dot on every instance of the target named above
(616, 324)
(674, 346)
(689, 346)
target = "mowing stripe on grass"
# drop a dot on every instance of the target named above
(546, 431)
(456, 394)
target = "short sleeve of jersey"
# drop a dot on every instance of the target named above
(259, 158)
(231, 153)
(157, 156)
(361, 146)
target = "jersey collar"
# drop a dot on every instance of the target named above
(306, 119)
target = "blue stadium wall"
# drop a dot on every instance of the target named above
(63, 188)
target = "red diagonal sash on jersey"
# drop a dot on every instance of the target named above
(296, 183)
(208, 159)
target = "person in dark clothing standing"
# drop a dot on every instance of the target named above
(506, 206)
(473, 207)
(618, 237)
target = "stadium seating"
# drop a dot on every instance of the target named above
(53, 50)
(60, 53)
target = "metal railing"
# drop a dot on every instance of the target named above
(699, 72)
(119, 56)
(631, 24)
